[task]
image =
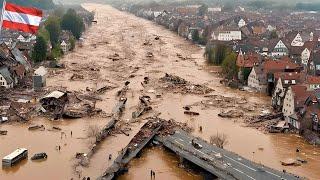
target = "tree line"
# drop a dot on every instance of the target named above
(51, 31)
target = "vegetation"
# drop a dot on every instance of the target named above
(39, 52)
(273, 34)
(42, 4)
(229, 66)
(52, 25)
(215, 54)
(202, 10)
(195, 36)
(219, 139)
(73, 22)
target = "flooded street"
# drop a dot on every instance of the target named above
(124, 34)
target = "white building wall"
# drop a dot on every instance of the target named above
(288, 105)
(229, 35)
(4, 83)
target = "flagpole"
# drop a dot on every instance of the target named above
(3, 8)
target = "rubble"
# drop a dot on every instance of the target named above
(192, 113)
(149, 54)
(76, 77)
(3, 132)
(114, 57)
(36, 127)
(290, 162)
(143, 107)
(231, 114)
(177, 84)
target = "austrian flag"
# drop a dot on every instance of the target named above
(21, 18)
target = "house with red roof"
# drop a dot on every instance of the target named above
(294, 99)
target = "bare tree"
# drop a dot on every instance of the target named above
(219, 139)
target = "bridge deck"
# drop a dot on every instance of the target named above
(222, 163)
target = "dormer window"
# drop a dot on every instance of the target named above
(286, 81)
(293, 81)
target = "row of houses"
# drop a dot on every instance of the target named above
(277, 54)
(14, 66)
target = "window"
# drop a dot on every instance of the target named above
(286, 81)
(293, 81)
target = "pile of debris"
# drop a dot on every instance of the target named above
(60, 104)
(169, 127)
(115, 57)
(231, 114)
(180, 85)
(219, 101)
(143, 107)
(264, 122)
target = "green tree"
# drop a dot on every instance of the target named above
(202, 10)
(72, 22)
(39, 52)
(273, 34)
(215, 54)
(195, 35)
(229, 66)
(72, 43)
(53, 27)
(44, 33)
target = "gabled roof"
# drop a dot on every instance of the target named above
(6, 74)
(285, 63)
(313, 80)
(21, 58)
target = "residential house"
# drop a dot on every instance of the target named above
(313, 82)
(64, 46)
(279, 50)
(39, 78)
(294, 99)
(231, 35)
(6, 79)
(246, 62)
(257, 80)
(241, 23)
(284, 80)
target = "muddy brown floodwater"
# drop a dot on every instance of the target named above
(124, 34)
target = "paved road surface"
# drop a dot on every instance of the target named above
(222, 163)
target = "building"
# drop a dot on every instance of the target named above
(279, 50)
(294, 99)
(297, 41)
(227, 35)
(305, 56)
(64, 47)
(313, 82)
(39, 78)
(257, 80)
(6, 79)
(241, 23)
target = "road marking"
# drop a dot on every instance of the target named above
(273, 174)
(179, 143)
(244, 173)
(240, 163)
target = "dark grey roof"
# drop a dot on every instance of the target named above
(6, 74)
(20, 58)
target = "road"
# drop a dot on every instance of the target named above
(224, 164)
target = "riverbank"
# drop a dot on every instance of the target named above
(124, 34)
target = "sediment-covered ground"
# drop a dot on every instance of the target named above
(173, 73)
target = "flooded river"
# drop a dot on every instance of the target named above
(124, 34)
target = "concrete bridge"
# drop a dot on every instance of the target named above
(220, 162)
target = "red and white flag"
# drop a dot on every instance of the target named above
(20, 18)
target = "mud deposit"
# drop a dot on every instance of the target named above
(114, 52)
